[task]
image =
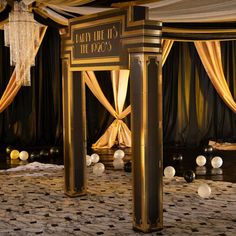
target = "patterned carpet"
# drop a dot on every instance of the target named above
(33, 203)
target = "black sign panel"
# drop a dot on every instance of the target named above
(97, 41)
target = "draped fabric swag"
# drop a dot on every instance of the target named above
(13, 88)
(118, 131)
(210, 55)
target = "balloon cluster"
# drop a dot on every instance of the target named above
(98, 167)
(15, 154)
(204, 190)
(216, 162)
(118, 162)
(33, 156)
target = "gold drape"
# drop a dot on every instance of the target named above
(210, 55)
(166, 47)
(13, 88)
(118, 130)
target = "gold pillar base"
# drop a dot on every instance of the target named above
(75, 194)
(148, 229)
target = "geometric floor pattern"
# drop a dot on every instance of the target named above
(33, 203)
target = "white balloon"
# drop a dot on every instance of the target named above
(95, 158)
(169, 172)
(98, 169)
(119, 154)
(216, 162)
(88, 160)
(204, 190)
(118, 163)
(201, 160)
(24, 155)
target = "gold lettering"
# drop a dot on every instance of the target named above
(98, 35)
(109, 33)
(112, 33)
(109, 47)
(83, 38)
(84, 48)
(115, 32)
(101, 47)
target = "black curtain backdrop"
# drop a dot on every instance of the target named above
(193, 112)
(35, 116)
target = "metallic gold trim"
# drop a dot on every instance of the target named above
(139, 32)
(98, 67)
(193, 31)
(144, 22)
(132, 3)
(145, 49)
(141, 39)
(94, 60)
(192, 40)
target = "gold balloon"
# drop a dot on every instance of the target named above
(14, 154)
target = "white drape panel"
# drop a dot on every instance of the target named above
(192, 11)
(165, 10)
(48, 13)
(79, 10)
(210, 55)
(117, 132)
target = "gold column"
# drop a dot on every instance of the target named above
(147, 141)
(74, 133)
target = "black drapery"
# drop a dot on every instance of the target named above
(35, 116)
(193, 112)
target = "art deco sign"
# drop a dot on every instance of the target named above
(105, 40)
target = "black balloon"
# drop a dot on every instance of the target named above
(208, 149)
(44, 153)
(9, 149)
(177, 158)
(189, 176)
(54, 151)
(34, 156)
(128, 166)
